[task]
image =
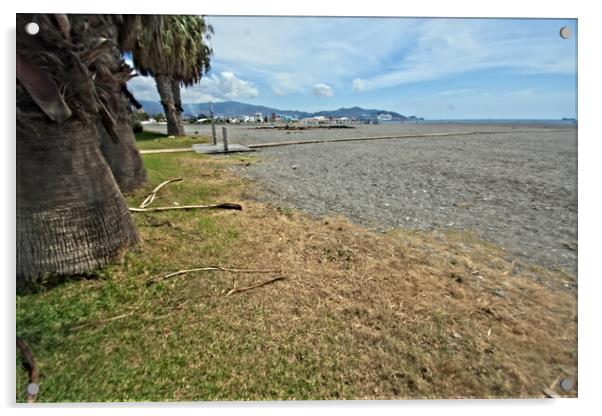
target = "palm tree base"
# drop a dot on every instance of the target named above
(71, 217)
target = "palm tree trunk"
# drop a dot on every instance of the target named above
(175, 126)
(175, 87)
(112, 73)
(123, 158)
(71, 217)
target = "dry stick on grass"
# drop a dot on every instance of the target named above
(223, 269)
(225, 205)
(244, 289)
(211, 268)
(30, 363)
(151, 197)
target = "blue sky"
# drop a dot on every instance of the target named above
(433, 68)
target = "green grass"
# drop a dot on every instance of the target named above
(210, 350)
(152, 141)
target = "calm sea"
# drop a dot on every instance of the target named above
(489, 121)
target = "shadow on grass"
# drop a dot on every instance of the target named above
(51, 281)
(148, 140)
(149, 135)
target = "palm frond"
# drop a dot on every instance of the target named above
(174, 45)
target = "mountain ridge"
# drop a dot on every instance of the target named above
(236, 108)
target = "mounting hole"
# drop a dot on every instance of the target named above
(565, 32)
(32, 28)
(566, 384)
(33, 389)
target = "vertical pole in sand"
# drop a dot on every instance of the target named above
(213, 135)
(225, 135)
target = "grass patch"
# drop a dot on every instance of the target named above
(359, 315)
(153, 141)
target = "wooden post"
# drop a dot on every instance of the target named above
(225, 135)
(213, 135)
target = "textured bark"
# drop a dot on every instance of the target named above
(112, 73)
(177, 98)
(123, 158)
(71, 216)
(175, 126)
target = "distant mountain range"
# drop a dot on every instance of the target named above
(235, 108)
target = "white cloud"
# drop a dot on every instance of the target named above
(195, 94)
(144, 88)
(322, 90)
(225, 86)
(359, 84)
(228, 86)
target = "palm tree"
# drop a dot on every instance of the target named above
(178, 55)
(71, 216)
(111, 76)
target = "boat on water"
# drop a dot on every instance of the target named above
(384, 117)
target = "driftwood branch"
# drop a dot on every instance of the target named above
(225, 205)
(30, 363)
(244, 289)
(151, 197)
